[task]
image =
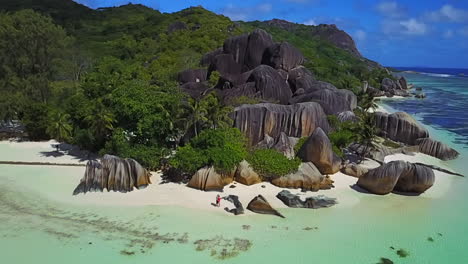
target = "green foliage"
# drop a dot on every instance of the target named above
(58, 126)
(35, 120)
(221, 148)
(389, 143)
(214, 78)
(270, 163)
(342, 134)
(240, 100)
(365, 131)
(299, 144)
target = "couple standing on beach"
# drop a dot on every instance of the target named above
(218, 200)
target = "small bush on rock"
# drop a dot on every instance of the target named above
(270, 163)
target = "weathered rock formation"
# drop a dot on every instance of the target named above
(399, 176)
(299, 120)
(436, 149)
(282, 56)
(239, 209)
(318, 150)
(400, 127)
(261, 206)
(300, 78)
(332, 100)
(313, 202)
(195, 75)
(347, 116)
(285, 145)
(114, 174)
(245, 174)
(403, 83)
(270, 85)
(307, 177)
(352, 169)
(207, 179)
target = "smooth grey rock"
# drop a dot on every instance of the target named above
(400, 127)
(261, 206)
(307, 177)
(436, 149)
(314, 202)
(207, 179)
(239, 209)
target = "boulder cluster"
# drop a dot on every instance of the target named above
(114, 174)
(398, 176)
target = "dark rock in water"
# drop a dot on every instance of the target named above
(418, 89)
(436, 149)
(313, 202)
(283, 56)
(420, 95)
(300, 78)
(209, 57)
(400, 127)
(270, 85)
(318, 150)
(299, 120)
(239, 209)
(178, 25)
(259, 41)
(403, 83)
(195, 75)
(261, 206)
(397, 175)
(207, 179)
(245, 174)
(307, 177)
(114, 174)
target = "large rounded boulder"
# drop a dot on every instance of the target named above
(318, 150)
(307, 177)
(270, 84)
(333, 101)
(436, 149)
(399, 176)
(207, 179)
(245, 174)
(400, 127)
(283, 56)
(299, 120)
(114, 174)
(259, 40)
(261, 206)
(195, 75)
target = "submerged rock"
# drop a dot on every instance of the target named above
(313, 202)
(397, 175)
(245, 174)
(207, 179)
(239, 209)
(318, 150)
(299, 120)
(261, 206)
(400, 127)
(436, 149)
(114, 174)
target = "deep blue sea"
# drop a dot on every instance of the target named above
(446, 104)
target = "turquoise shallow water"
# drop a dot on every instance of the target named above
(38, 227)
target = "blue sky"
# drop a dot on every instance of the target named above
(431, 33)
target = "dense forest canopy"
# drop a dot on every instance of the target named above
(105, 79)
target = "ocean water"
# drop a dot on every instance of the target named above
(39, 224)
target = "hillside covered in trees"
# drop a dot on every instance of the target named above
(107, 80)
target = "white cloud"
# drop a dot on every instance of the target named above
(448, 33)
(413, 27)
(391, 9)
(360, 35)
(310, 22)
(448, 13)
(246, 13)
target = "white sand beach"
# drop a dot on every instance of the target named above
(176, 194)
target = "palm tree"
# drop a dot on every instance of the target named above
(100, 121)
(217, 113)
(59, 126)
(366, 102)
(195, 115)
(365, 131)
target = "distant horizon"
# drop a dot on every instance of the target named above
(427, 67)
